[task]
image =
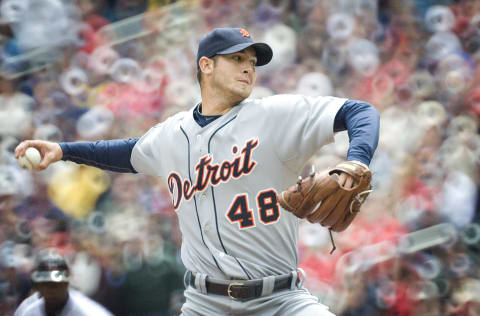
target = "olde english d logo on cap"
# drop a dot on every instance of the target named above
(244, 33)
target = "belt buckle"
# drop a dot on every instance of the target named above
(229, 290)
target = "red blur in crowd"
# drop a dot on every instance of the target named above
(320, 265)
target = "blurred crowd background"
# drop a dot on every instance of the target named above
(76, 70)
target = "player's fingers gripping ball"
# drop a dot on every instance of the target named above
(31, 160)
(320, 198)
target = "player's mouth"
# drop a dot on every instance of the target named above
(246, 81)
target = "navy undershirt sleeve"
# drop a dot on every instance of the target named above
(112, 155)
(362, 121)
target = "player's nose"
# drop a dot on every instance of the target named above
(248, 69)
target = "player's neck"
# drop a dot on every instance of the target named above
(215, 104)
(215, 109)
(56, 308)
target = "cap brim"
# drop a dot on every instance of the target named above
(263, 51)
(50, 276)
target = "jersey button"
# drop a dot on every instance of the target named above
(204, 196)
(206, 228)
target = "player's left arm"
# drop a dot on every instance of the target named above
(334, 196)
(362, 122)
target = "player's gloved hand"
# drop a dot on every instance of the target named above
(50, 152)
(332, 197)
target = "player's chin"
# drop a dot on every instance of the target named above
(243, 92)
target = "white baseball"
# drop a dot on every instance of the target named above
(31, 159)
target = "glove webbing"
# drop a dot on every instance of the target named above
(331, 239)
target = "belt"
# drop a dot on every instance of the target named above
(241, 290)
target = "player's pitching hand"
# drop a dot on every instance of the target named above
(332, 197)
(50, 152)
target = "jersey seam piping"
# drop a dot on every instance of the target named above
(195, 201)
(214, 204)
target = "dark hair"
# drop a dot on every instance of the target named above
(199, 76)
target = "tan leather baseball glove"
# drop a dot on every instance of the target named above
(320, 198)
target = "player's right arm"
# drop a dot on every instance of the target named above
(112, 155)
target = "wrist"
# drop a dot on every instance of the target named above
(59, 152)
(359, 163)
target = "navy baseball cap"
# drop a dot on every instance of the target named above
(223, 41)
(51, 266)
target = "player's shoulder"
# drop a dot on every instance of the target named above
(289, 101)
(174, 119)
(289, 98)
(179, 116)
(272, 103)
(86, 305)
(29, 306)
(275, 100)
(168, 125)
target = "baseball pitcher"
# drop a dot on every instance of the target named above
(231, 165)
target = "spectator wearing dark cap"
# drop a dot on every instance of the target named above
(51, 278)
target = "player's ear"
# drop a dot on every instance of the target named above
(206, 65)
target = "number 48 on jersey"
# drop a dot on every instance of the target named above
(267, 206)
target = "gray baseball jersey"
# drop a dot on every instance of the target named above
(78, 304)
(224, 179)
